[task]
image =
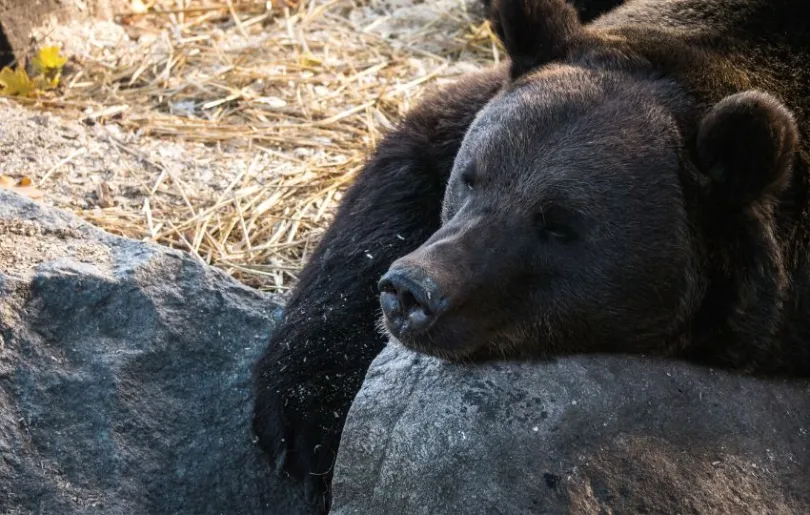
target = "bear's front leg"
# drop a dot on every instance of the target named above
(318, 355)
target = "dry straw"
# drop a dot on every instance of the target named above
(309, 88)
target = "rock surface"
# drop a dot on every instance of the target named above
(125, 376)
(592, 435)
(124, 388)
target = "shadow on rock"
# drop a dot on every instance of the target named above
(125, 376)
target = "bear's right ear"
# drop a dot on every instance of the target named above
(534, 32)
(746, 146)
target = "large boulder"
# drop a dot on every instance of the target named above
(588, 434)
(125, 376)
(125, 388)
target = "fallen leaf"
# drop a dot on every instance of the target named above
(48, 60)
(11, 184)
(309, 60)
(32, 193)
(16, 82)
(25, 181)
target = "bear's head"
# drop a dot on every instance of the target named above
(569, 219)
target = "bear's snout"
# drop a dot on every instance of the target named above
(444, 298)
(411, 301)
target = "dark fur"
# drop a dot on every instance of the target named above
(587, 10)
(740, 176)
(535, 32)
(319, 354)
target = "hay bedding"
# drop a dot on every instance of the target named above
(229, 128)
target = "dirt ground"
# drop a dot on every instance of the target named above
(230, 129)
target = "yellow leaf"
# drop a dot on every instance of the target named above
(309, 60)
(48, 60)
(16, 82)
(25, 181)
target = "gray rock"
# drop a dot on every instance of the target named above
(586, 434)
(125, 376)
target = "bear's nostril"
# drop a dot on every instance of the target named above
(417, 315)
(390, 303)
(408, 302)
(407, 298)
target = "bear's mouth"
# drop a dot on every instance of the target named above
(439, 341)
(435, 351)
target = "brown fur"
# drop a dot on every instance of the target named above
(637, 185)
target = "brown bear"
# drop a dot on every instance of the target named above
(637, 184)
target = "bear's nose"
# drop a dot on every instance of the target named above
(411, 301)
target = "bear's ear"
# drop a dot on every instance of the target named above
(534, 32)
(746, 145)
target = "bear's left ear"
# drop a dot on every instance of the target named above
(534, 32)
(746, 145)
